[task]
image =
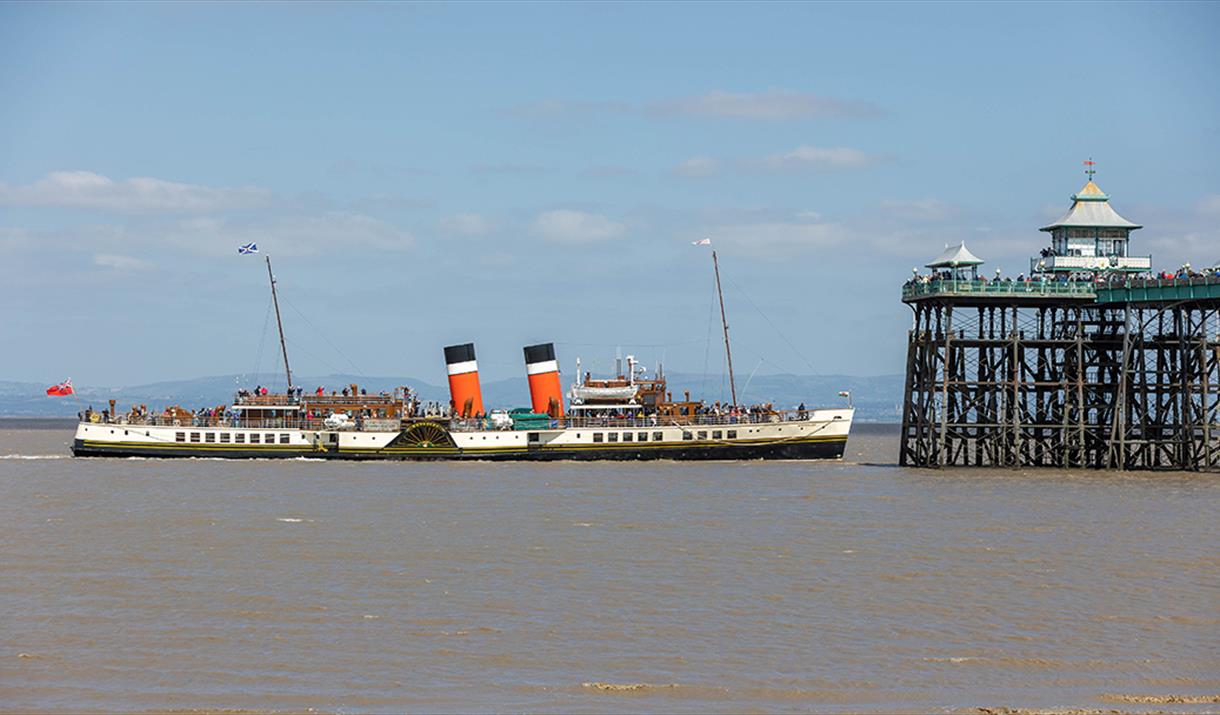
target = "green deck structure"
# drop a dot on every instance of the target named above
(1162, 291)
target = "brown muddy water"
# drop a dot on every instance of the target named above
(773, 587)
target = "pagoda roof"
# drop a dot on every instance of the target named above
(955, 257)
(1091, 209)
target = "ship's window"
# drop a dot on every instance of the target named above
(612, 437)
(732, 433)
(687, 435)
(224, 437)
(627, 436)
(716, 434)
(194, 436)
(209, 436)
(535, 437)
(283, 439)
(597, 436)
(657, 436)
(641, 437)
(180, 437)
(239, 438)
(254, 438)
(269, 439)
(702, 434)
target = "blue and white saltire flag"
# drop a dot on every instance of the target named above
(248, 249)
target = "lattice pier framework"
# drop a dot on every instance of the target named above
(1055, 382)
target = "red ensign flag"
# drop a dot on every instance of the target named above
(63, 389)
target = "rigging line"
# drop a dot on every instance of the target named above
(262, 342)
(751, 377)
(326, 339)
(297, 346)
(707, 340)
(630, 345)
(773, 326)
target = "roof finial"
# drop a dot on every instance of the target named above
(1090, 171)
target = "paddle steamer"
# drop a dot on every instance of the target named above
(627, 416)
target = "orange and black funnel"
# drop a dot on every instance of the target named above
(464, 388)
(546, 394)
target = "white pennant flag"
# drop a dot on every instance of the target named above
(702, 242)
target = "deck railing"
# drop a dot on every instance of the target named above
(649, 421)
(238, 422)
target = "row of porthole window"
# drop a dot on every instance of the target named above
(658, 436)
(237, 437)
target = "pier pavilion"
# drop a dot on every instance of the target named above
(1087, 363)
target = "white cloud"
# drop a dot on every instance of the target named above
(12, 237)
(918, 209)
(293, 235)
(565, 109)
(509, 169)
(778, 237)
(776, 105)
(85, 189)
(773, 105)
(802, 158)
(568, 226)
(1210, 205)
(698, 166)
(119, 262)
(467, 224)
(812, 157)
(609, 171)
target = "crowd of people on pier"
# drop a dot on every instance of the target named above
(1186, 272)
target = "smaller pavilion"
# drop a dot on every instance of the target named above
(959, 261)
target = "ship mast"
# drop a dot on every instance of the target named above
(279, 324)
(728, 352)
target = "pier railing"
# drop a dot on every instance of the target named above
(1164, 289)
(1075, 289)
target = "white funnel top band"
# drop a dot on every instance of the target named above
(461, 368)
(538, 368)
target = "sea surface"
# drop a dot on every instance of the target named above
(847, 586)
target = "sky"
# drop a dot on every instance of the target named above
(508, 174)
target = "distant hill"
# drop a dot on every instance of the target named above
(877, 399)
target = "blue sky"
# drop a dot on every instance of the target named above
(510, 174)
